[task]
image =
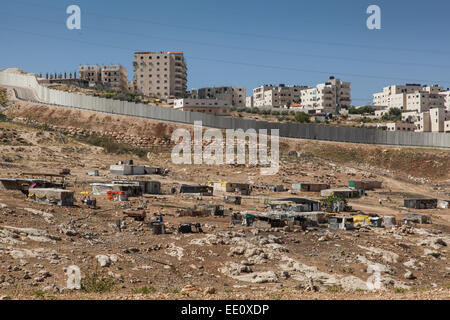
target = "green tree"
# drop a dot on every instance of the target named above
(394, 114)
(302, 117)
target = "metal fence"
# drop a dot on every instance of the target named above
(303, 131)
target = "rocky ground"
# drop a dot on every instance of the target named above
(40, 243)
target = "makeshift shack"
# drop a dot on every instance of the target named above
(241, 188)
(335, 205)
(295, 204)
(276, 188)
(340, 193)
(344, 223)
(422, 203)
(203, 211)
(443, 204)
(131, 189)
(203, 190)
(232, 199)
(309, 186)
(147, 187)
(416, 218)
(60, 197)
(365, 184)
(389, 221)
(362, 219)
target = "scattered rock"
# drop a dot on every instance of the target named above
(103, 260)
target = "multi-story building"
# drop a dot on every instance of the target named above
(115, 77)
(108, 76)
(91, 73)
(160, 74)
(423, 123)
(446, 95)
(269, 96)
(249, 102)
(209, 106)
(400, 126)
(235, 96)
(414, 97)
(394, 96)
(425, 99)
(433, 120)
(438, 117)
(328, 97)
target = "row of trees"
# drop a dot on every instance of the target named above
(298, 116)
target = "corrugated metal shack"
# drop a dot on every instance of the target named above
(422, 203)
(60, 197)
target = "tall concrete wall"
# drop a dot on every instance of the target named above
(304, 131)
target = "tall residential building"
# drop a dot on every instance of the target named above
(109, 76)
(414, 97)
(433, 120)
(160, 74)
(235, 96)
(276, 96)
(115, 77)
(91, 73)
(446, 95)
(328, 97)
(425, 99)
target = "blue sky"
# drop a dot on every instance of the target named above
(240, 43)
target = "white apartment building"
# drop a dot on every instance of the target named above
(414, 97)
(112, 77)
(208, 106)
(446, 95)
(394, 96)
(400, 126)
(160, 74)
(447, 126)
(249, 102)
(269, 96)
(235, 96)
(423, 123)
(438, 117)
(433, 120)
(328, 97)
(425, 99)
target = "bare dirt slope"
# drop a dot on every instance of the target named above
(225, 262)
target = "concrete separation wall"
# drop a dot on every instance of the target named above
(303, 131)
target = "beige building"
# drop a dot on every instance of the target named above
(160, 74)
(208, 106)
(433, 120)
(91, 73)
(423, 123)
(446, 95)
(235, 96)
(115, 77)
(414, 97)
(425, 99)
(249, 102)
(438, 117)
(268, 96)
(447, 126)
(400, 126)
(112, 77)
(328, 97)
(394, 96)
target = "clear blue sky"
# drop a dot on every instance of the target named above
(240, 43)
